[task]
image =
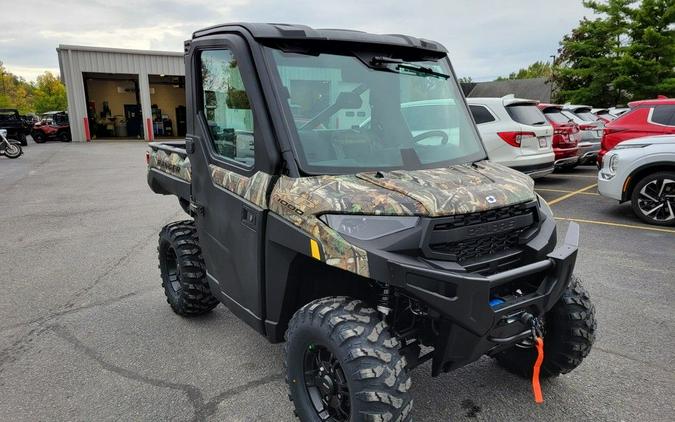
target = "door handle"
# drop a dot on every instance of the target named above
(248, 217)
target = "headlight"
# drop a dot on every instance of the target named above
(3, 132)
(613, 163)
(631, 146)
(368, 227)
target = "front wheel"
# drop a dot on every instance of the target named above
(13, 150)
(38, 137)
(569, 333)
(343, 364)
(183, 270)
(653, 199)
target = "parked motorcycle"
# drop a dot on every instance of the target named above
(9, 148)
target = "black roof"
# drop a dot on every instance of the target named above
(533, 89)
(282, 31)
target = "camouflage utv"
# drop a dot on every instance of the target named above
(370, 236)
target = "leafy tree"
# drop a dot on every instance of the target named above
(535, 70)
(625, 53)
(15, 92)
(465, 80)
(50, 93)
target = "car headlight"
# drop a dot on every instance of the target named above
(613, 163)
(368, 227)
(631, 146)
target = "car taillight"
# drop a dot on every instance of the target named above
(558, 138)
(147, 157)
(515, 138)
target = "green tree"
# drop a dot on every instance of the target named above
(624, 53)
(49, 94)
(15, 92)
(538, 69)
(650, 60)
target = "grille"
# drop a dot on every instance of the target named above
(481, 246)
(473, 247)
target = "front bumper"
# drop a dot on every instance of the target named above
(469, 327)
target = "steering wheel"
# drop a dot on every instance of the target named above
(430, 134)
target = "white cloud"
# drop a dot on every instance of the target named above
(486, 38)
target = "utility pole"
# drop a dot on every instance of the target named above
(551, 78)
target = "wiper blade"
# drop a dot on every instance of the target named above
(410, 67)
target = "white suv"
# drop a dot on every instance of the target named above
(642, 171)
(515, 133)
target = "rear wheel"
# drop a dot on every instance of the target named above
(569, 333)
(653, 199)
(343, 364)
(64, 137)
(183, 271)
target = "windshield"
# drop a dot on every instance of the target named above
(350, 116)
(557, 116)
(527, 114)
(573, 117)
(8, 116)
(588, 116)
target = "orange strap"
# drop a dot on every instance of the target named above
(536, 388)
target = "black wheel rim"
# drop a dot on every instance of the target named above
(172, 270)
(326, 384)
(656, 200)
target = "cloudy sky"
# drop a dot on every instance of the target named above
(486, 38)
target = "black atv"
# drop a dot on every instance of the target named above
(340, 199)
(11, 121)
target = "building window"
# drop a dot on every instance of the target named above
(226, 107)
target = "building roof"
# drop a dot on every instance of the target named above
(63, 47)
(535, 89)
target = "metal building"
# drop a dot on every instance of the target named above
(119, 93)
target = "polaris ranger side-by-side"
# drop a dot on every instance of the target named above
(328, 212)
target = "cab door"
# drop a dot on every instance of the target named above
(229, 178)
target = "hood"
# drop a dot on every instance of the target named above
(458, 189)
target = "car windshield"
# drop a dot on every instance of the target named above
(527, 114)
(352, 114)
(573, 117)
(557, 116)
(7, 116)
(587, 116)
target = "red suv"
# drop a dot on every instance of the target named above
(566, 136)
(645, 118)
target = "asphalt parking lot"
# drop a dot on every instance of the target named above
(86, 334)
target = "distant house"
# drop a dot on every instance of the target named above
(534, 89)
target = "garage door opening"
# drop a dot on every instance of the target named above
(167, 95)
(113, 106)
